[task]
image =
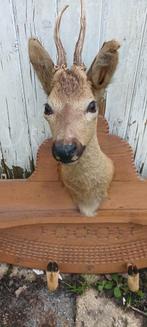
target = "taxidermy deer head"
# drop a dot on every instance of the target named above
(72, 112)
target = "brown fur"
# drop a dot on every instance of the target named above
(70, 92)
(42, 64)
(67, 83)
(103, 67)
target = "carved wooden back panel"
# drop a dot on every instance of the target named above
(39, 223)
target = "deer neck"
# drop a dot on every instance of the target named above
(89, 178)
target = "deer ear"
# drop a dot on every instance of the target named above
(103, 66)
(42, 63)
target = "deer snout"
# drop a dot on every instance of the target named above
(67, 153)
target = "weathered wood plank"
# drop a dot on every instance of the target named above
(14, 138)
(34, 19)
(126, 96)
(136, 132)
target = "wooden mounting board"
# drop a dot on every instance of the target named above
(39, 223)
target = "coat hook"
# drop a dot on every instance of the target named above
(133, 278)
(52, 274)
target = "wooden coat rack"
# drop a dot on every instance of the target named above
(39, 223)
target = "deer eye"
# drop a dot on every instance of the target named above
(48, 110)
(92, 107)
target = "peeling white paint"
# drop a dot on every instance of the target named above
(22, 126)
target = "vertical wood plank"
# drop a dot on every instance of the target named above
(126, 96)
(136, 132)
(14, 138)
(34, 19)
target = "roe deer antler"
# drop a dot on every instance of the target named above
(61, 60)
(80, 42)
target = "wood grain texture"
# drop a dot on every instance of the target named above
(22, 126)
(14, 137)
(39, 222)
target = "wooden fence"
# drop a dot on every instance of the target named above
(22, 126)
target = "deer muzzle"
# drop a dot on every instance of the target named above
(67, 152)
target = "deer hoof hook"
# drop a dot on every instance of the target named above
(133, 278)
(52, 274)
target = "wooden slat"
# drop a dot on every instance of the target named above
(14, 137)
(52, 195)
(21, 218)
(126, 96)
(20, 202)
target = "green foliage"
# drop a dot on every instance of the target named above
(117, 292)
(140, 294)
(77, 288)
(115, 285)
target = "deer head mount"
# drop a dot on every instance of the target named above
(73, 94)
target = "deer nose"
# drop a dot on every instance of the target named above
(66, 153)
